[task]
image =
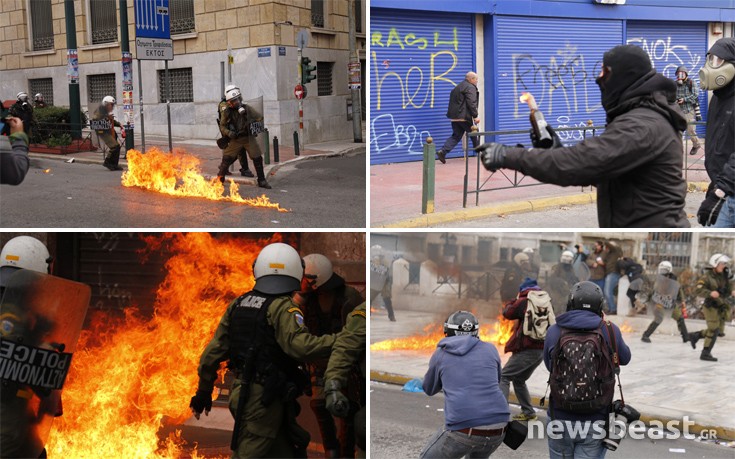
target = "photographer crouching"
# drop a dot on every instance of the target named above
(14, 162)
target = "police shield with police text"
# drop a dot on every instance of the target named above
(41, 317)
(263, 336)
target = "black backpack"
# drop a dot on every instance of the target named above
(582, 378)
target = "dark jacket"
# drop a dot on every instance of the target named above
(580, 320)
(14, 162)
(720, 136)
(463, 102)
(468, 371)
(635, 163)
(516, 310)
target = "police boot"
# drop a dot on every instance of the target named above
(389, 306)
(646, 338)
(721, 334)
(244, 169)
(694, 337)
(682, 329)
(223, 167)
(258, 163)
(707, 351)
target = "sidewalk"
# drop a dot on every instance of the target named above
(211, 156)
(665, 379)
(395, 192)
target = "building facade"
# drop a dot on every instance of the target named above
(261, 37)
(420, 50)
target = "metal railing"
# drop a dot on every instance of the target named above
(56, 135)
(514, 178)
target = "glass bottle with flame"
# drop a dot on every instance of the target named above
(538, 122)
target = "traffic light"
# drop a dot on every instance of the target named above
(307, 70)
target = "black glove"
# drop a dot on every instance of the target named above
(710, 207)
(543, 143)
(337, 403)
(202, 401)
(492, 155)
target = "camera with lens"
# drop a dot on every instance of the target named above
(621, 416)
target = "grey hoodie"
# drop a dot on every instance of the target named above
(468, 370)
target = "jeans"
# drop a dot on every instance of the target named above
(611, 281)
(600, 283)
(458, 130)
(518, 369)
(576, 448)
(726, 218)
(450, 444)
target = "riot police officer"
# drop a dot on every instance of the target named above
(263, 335)
(104, 123)
(716, 287)
(349, 351)
(23, 109)
(224, 141)
(38, 101)
(666, 295)
(381, 279)
(235, 122)
(326, 301)
(560, 282)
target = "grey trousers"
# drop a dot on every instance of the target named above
(517, 370)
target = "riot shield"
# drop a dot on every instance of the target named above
(256, 125)
(378, 272)
(581, 270)
(665, 291)
(41, 317)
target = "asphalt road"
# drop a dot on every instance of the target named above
(401, 422)
(575, 216)
(324, 193)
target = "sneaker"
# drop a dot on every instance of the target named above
(525, 417)
(246, 173)
(442, 155)
(694, 150)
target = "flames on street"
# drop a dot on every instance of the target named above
(133, 375)
(179, 174)
(498, 333)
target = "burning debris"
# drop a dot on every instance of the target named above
(498, 333)
(179, 174)
(131, 376)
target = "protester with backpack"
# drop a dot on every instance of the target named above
(534, 315)
(579, 353)
(467, 369)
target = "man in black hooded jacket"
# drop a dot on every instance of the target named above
(635, 163)
(718, 75)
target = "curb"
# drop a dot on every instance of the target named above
(451, 216)
(723, 433)
(500, 209)
(270, 170)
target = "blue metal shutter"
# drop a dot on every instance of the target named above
(416, 60)
(671, 44)
(556, 60)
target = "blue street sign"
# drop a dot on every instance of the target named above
(264, 52)
(152, 19)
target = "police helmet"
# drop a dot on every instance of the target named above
(461, 323)
(567, 257)
(318, 270)
(232, 93)
(22, 96)
(109, 100)
(665, 267)
(23, 252)
(718, 258)
(38, 97)
(586, 295)
(521, 257)
(278, 269)
(528, 250)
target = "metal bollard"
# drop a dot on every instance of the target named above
(295, 143)
(267, 152)
(275, 149)
(427, 188)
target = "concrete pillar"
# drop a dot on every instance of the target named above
(400, 277)
(427, 278)
(623, 301)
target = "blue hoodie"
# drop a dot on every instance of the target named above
(468, 370)
(580, 320)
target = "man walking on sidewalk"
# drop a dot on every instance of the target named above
(462, 111)
(534, 315)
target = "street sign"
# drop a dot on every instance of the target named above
(264, 52)
(152, 19)
(299, 91)
(155, 49)
(302, 38)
